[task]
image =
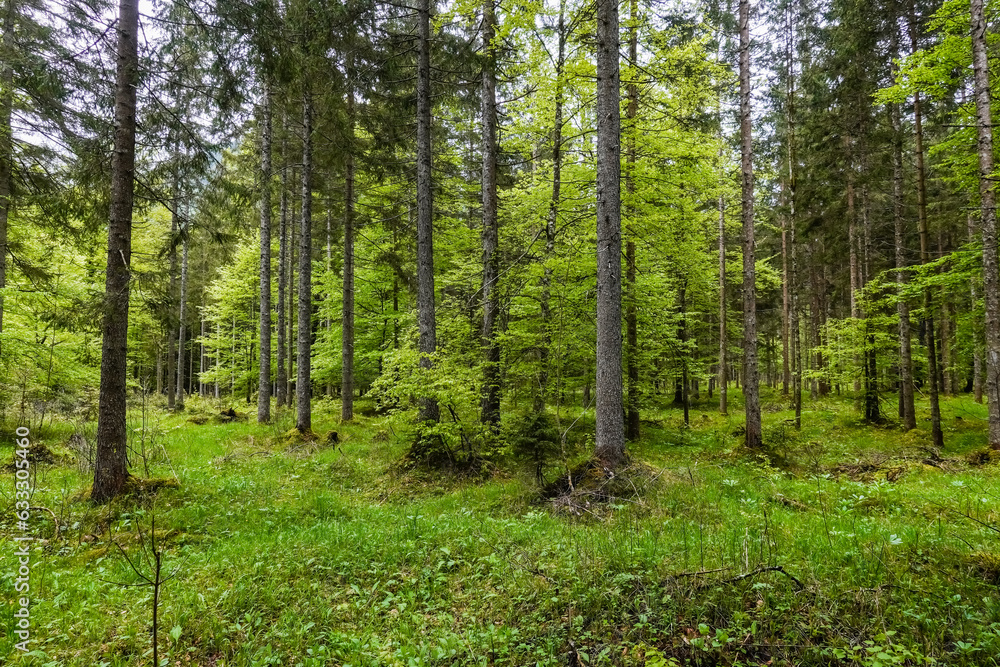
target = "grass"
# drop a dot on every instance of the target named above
(845, 544)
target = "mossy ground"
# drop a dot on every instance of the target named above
(302, 552)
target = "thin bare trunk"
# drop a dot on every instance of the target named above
(303, 381)
(490, 403)
(937, 435)
(907, 411)
(182, 313)
(723, 336)
(281, 377)
(347, 316)
(264, 379)
(426, 322)
(631, 315)
(751, 386)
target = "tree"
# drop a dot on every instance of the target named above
(425, 207)
(303, 382)
(264, 383)
(751, 392)
(490, 415)
(610, 436)
(987, 200)
(111, 463)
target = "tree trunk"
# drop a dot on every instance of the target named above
(751, 392)
(723, 342)
(610, 433)
(987, 194)
(181, 313)
(264, 381)
(303, 383)
(553, 215)
(977, 357)
(347, 315)
(281, 376)
(6, 149)
(426, 322)
(907, 412)
(171, 331)
(111, 464)
(932, 366)
(631, 315)
(490, 404)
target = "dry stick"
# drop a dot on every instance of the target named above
(760, 570)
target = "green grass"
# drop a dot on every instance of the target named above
(314, 555)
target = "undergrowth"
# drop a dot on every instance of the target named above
(841, 544)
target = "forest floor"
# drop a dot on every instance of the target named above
(846, 545)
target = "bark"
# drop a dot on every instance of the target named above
(987, 194)
(631, 319)
(281, 375)
(907, 411)
(550, 229)
(723, 342)
(347, 315)
(786, 371)
(683, 335)
(181, 314)
(490, 404)
(937, 435)
(553, 215)
(750, 380)
(6, 148)
(610, 432)
(111, 464)
(264, 380)
(426, 322)
(303, 383)
(171, 331)
(977, 357)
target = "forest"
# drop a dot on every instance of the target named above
(547, 332)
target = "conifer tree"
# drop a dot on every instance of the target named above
(110, 467)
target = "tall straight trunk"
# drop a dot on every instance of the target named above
(6, 147)
(751, 389)
(202, 359)
(683, 336)
(490, 402)
(987, 195)
(610, 432)
(907, 411)
(182, 313)
(290, 337)
(111, 464)
(937, 435)
(171, 331)
(977, 357)
(631, 315)
(303, 383)
(794, 367)
(786, 371)
(723, 335)
(945, 329)
(347, 315)
(852, 240)
(426, 322)
(553, 215)
(264, 379)
(281, 374)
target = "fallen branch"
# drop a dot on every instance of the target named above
(761, 570)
